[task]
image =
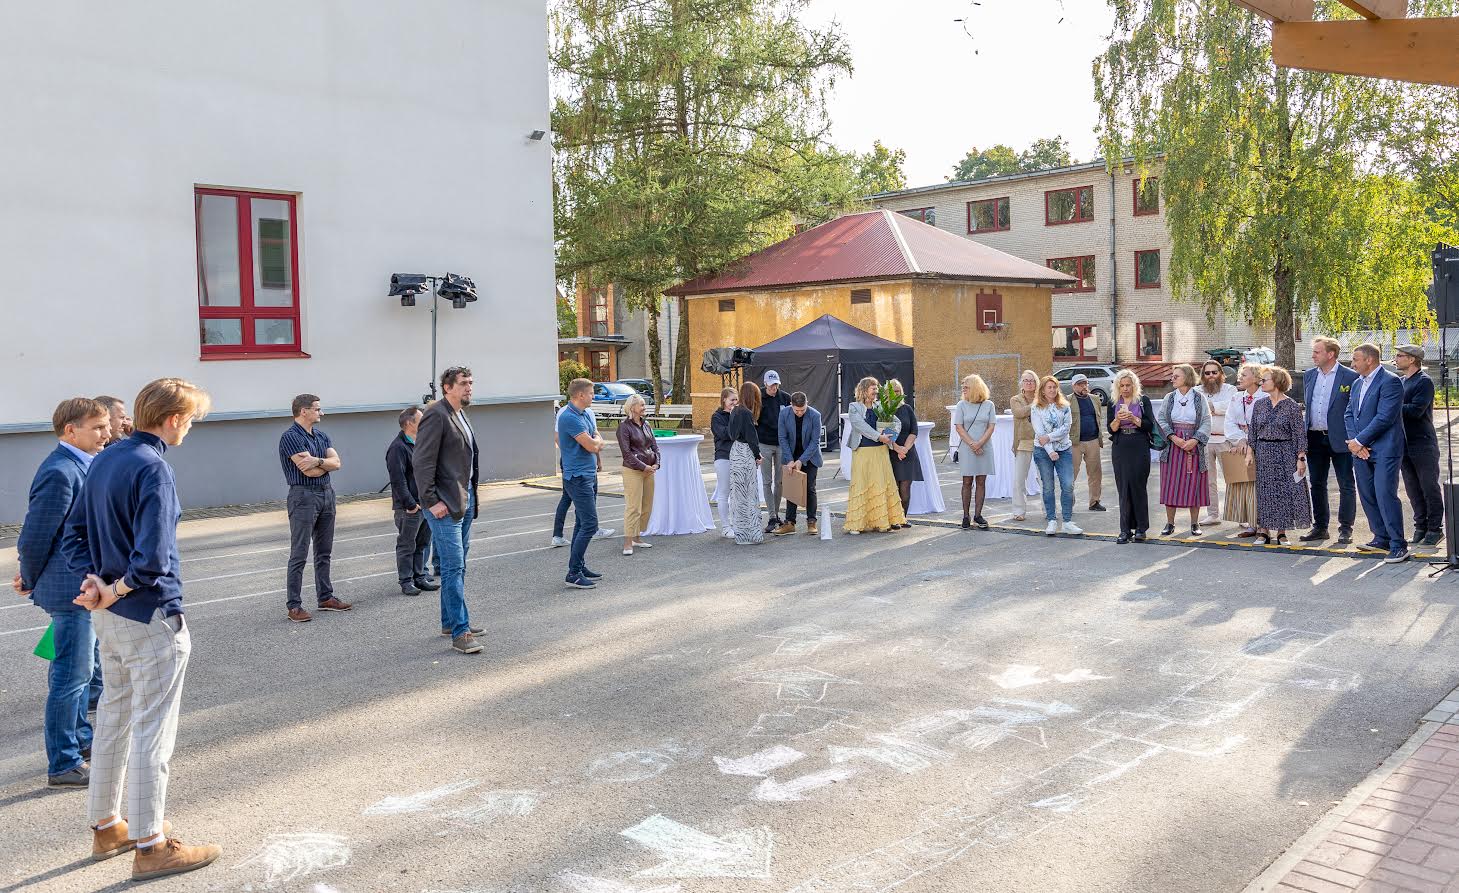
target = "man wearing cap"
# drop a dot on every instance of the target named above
(768, 429)
(1087, 433)
(1421, 453)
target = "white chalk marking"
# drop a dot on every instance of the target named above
(1019, 676)
(901, 760)
(288, 857)
(798, 683)
(1079, 675)
(581, 883)
(492, 806)
(630, 766)
(1047, 708)
(418, 802)
(690, 853)
(761, 763)
(772, 791)
(805, 639)
(797, 722)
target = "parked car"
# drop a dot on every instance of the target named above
(1231, 358)
(646, 387)
(612, 392)
(1101, 380)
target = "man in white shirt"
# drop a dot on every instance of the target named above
(1218, 396)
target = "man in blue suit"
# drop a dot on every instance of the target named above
(83, 426)
(1375, 421)
(1327, 388)
(799, 429)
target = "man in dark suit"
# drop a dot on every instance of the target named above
(1421, 447)
(447, 470)
(83, 427)
(1327, 388)
(1375, 420)
(800, 444)
(412, 534)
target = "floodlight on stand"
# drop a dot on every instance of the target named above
(459, 290)
(407, 286)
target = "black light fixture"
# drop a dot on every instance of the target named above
(459, 290)
(407, 286)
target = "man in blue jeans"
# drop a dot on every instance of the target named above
(579, 443)
(559, 517)
(83, 427)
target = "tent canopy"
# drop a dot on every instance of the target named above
(826, 358)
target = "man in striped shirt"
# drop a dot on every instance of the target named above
(307, 457)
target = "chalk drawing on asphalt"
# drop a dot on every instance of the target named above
(418, 802)
(798, 683)
(1025, 675)
(761, 763)
(772, 791)
(806, 639)
(490, 808)
(582, 883)
(686, 852)
(285, 858)
(640, 765)
(798, 721)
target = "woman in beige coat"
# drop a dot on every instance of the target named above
(1023, 440)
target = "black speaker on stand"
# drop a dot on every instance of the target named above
(1444, 301)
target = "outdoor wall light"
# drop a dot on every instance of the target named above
(407, 286)
(536, 136)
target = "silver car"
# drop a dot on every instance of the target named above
(1101, 380)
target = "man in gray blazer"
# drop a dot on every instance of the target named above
(447, 470)
(800, 445)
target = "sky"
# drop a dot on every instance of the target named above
(924, 85)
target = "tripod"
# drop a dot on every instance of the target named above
(1442, 296)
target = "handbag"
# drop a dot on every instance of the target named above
(1157, 437)
(950, 457)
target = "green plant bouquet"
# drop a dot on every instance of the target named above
(887, 403)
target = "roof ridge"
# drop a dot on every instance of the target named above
(911, 261)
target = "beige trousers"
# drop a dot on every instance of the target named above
(1022, 459)
(1087, 453)
(1213, 468)
(638, 499)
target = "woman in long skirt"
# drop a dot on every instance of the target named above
(873, 502)
(906, 465)
(1131, 423)
(1241, 496)
(744, 493)
(1185, 420)
(1279, 439)
(719, 426)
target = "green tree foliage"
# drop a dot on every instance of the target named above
(1041, 155)
(688, 134)
(1276, 198)
(567, 370)
(567, 318)
(880, 170)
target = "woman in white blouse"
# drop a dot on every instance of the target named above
(1053, 453)
(1241, 496)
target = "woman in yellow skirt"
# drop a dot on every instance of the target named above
(873, 502)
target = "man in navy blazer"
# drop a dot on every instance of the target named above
(83, 427)
(1327, 388)
(1376, 439)
(800, 444)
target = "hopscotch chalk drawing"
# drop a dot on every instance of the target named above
(798, 683)
(1024, 675)
(806, 639)
(689, 853)
(760, 763)
(285, 858)
(418, 802)
(582, 883)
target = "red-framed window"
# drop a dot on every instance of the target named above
(1146, 196)
(989, 215)
(1150, 340)
(601, 365)
(926, 215)
(1081, 268)
(248, 282)
(1075, 205)
(598, 313)
(1075, 343)
(1147, 268)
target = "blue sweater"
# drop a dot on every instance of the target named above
(125, 525)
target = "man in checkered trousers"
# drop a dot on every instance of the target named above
(121, 538)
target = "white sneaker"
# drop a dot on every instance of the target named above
(1211, 520)
(642, 545)
(627, 551)
(1052, 529)
(603, 533)
(1072, 529)
(559, 541)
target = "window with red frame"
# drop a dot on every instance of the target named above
(1147, 268)
(248, 287)
(1149, 340)
(601, 365)
(1069, 205)
(1147, 196)
(598, 313)
(989, 215)
(1081, 268)
(926, 215)
(1075, 343)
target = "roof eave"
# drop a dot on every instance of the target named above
(926, 277)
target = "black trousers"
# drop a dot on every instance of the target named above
(1420, 470)
(810, 496)
(311, 520)
(412, 542)
(1130, 455)
(1320, 459)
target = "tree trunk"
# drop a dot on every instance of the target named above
(655, 355)
(681, 354)
(1284, 316)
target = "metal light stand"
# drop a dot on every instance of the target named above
(1441, 296)
(435, 300)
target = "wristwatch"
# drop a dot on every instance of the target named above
(120, 587)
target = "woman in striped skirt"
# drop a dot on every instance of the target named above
(744, 498)
(1185, 420)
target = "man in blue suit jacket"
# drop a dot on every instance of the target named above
(1375, 423)
(1327, 388)
(83, 426)
(800, 444)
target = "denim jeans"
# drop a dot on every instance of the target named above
(1063, 467)
(583, 491)
(452, 541)
(559, 517)
(67, 730)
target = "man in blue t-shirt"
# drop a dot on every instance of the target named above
(579, 443)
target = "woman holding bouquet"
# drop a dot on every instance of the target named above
(906, 465)
(873, 502)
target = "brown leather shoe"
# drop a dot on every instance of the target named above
(299, 615)
(172, 856)
(784, 529)
(811, 529)
(334, 604)
(114, 841)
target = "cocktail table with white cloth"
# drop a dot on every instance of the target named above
(926, 494)
(1002, 447)
(681, 504)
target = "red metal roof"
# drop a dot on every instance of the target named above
(869, 246)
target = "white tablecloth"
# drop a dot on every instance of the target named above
(926, 494)
(680, 503)
(1002, 447)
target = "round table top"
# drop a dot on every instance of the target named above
(679, 439)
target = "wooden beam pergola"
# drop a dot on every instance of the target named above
(1377, 9)
(1422, 51)
(1280, 10)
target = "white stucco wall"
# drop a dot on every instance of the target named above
(402, 127)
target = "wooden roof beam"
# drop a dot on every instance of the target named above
(1378, 9)
(1420, 51)
(1283, 10)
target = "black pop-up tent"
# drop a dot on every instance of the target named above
(826, 358)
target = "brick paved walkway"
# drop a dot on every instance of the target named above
(1403, 835)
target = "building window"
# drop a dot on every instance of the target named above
(990, 215)
(598, 313)
(1069, 205)
(926, 215)
(1147, 196)
(990, 310)
(726, 305)
(1149, 340)
(1147, 268)
(1081, 268)
(600, 364)
(248, 293)
(1075, 343)
(861, 296)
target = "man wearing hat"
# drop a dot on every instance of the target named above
(768, 428)
(1421, 453)
(1086, 431)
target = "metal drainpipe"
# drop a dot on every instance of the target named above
(1114, 279)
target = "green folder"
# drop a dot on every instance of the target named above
(46, 647)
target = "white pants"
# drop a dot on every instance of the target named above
(136, 720)
(1213, 468)
(721, 491)
(1022, 459)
